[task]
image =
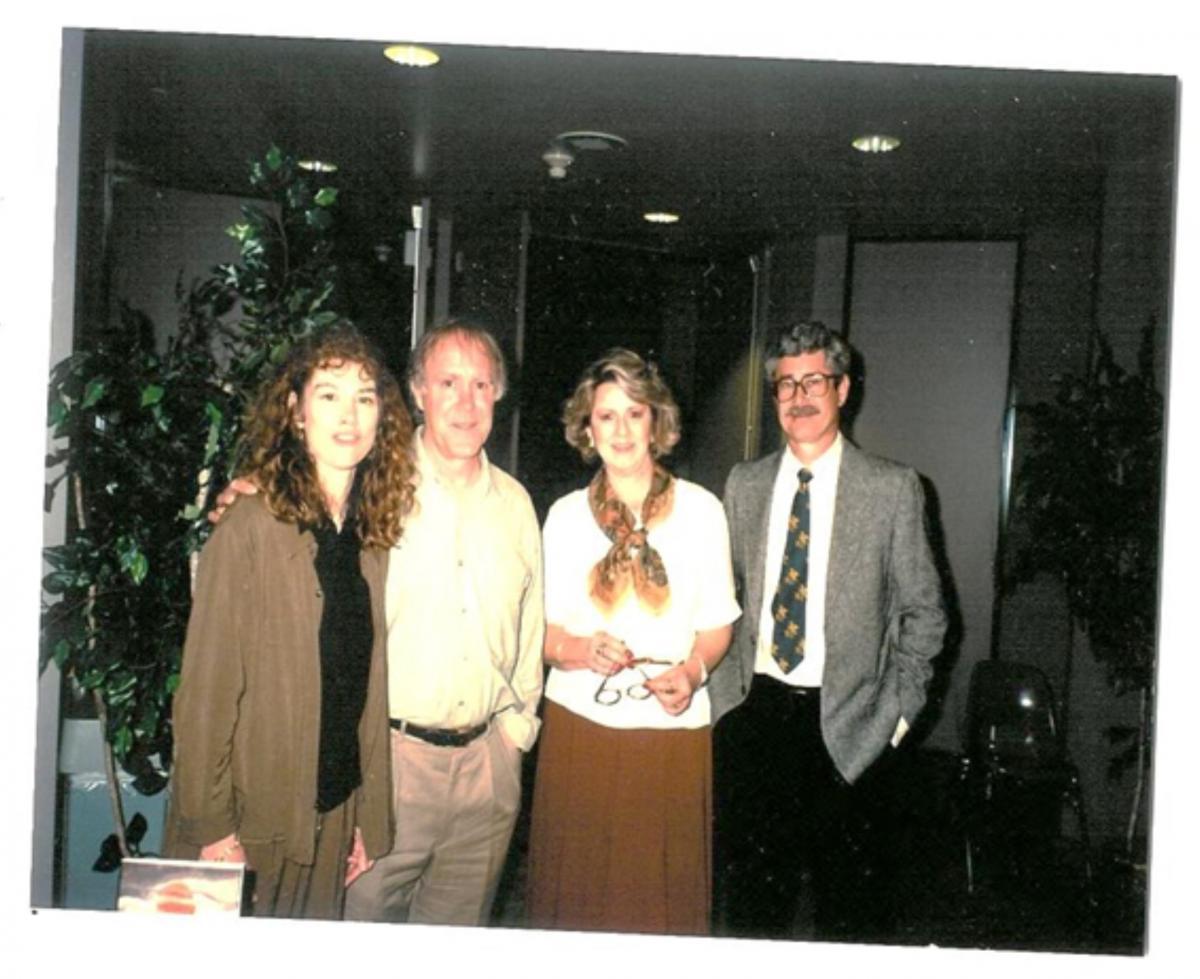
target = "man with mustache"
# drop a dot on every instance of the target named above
(830, 661)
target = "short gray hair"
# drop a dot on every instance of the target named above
(808, 337)
(467, 333)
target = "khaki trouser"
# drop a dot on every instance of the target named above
(455, 809)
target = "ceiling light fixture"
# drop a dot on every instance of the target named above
(660, 217)
(875, 143)
(589, 139)
(317, 166)
(411, 55)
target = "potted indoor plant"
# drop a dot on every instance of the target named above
(147, 437)
(1088, 497)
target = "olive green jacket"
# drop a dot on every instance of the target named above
(247, 713)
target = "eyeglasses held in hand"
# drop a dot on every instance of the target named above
(607, 696)
(812, 385)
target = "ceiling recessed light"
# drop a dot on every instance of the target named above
(411, 55)
(660, 217)
(317, 166)
(875, 143)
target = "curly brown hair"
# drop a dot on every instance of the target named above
(637, 378)
(273, 455)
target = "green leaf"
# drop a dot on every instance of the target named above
(213, 441)
(62, 650)
(254, 360)
(274, 158)
(326, 197)
(57, 582)
(122, 740)
(298, 195)
(94, 391)
(319, 219)
(122, 685)
(57, 413)
(327, 317)
(152, 394)
(58, 556)
(92, 678)
(132, 560)
(161, 419)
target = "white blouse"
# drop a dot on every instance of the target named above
(694, 545)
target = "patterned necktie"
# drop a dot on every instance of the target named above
(787, 646)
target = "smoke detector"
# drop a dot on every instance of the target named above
(558, 158)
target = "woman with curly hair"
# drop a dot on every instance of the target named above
(639, 606)
(281, 729)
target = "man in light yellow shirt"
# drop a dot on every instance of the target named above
(465, 628)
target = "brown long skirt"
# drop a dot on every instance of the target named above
(621, 834)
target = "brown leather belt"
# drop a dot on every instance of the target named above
(440, 736)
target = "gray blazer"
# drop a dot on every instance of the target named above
(884, 617)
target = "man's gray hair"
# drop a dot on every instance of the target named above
(808, 337)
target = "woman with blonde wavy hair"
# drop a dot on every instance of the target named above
(639, 606)
(281, 732)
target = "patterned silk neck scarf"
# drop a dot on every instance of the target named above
(787, 646)
(631, 561)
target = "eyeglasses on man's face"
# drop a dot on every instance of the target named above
(813, 385)
(607, 696)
